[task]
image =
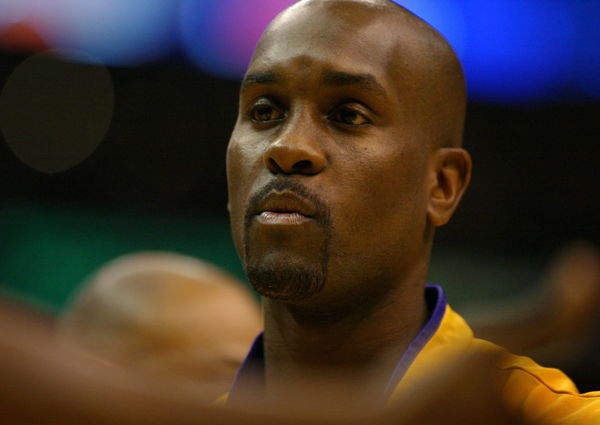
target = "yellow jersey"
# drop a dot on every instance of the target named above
(535, 393)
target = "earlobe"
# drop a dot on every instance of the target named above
(450, 175)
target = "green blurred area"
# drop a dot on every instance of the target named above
(47, 251)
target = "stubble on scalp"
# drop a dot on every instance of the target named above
(294, 280)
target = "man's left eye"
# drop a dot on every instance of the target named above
(348, 116)
(264, 113)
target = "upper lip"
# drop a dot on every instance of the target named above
(286, 202)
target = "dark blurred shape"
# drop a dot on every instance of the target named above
(165, 315)
(534, 186)
(54, 113)
(557, 322)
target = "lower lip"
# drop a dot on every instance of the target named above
(277, 218)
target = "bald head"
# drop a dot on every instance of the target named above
(422, 66)
(165, 315)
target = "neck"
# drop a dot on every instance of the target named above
(351, 354)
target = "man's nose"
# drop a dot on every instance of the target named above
(296, 151)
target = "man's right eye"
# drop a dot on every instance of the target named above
(263, 112)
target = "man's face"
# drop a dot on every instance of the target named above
(327, 163)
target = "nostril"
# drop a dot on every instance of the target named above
(304, 165)
(292, 158)
(273, 166)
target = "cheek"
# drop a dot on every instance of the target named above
(243, 169)
(386, 199)
(236, 190)
(244, 163)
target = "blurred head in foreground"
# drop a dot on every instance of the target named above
(165, 315)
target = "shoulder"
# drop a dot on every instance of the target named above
(221, 401)
(541, 394)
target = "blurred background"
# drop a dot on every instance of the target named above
(115, 116)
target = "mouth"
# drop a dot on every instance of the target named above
(284, 208)
(282, 218)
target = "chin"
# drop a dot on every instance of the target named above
(287, 280)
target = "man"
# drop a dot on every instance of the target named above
(165, 315)
(344, 159)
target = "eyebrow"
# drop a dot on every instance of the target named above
(266, 77)
(340, 79)
(330, 78)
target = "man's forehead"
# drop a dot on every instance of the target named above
(326, 44)
(330, 22)
(354, 36)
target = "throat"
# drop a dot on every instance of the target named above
(313, 360)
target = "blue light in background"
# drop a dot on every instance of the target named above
(115, 31)
(586, 79)
(219, 35)
(519, 50)
(197, 27)
(446, 16)
(513, 50)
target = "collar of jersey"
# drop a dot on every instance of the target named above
(249, 381)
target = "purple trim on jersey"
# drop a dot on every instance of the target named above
(250, 378)
(436, 302)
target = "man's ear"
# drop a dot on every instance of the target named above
(450, 173)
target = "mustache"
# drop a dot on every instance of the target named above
(322, 212)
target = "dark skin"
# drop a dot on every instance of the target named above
(360, 104)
